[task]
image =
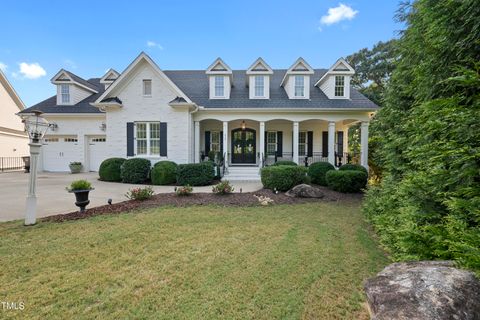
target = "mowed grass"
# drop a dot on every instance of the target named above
(281, 262)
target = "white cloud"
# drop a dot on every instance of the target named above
(3, 66)
(32, 70)
(153, 44)
(337, 14)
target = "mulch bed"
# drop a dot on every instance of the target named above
(200, 199)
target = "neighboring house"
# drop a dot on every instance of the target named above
(252, 117)
(13, 138)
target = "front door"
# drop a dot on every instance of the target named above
(243, 146)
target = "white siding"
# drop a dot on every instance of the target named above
(328, 87)
(228, 86)
(77, 94)
(251, 86)
(289, 86)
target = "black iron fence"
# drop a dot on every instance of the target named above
(14, 163)
(340, 158)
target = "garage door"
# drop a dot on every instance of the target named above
(58, 152)
(97, 152)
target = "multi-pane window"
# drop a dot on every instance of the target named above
(302, 143)
(299, 86)
(65, 91)
(215, 141)
(148, 138)
(271, 142)
(339, 86)
(259, 86)
(147, 87)
(219, 86)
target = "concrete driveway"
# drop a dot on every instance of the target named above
(52, 198)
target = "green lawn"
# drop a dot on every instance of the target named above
(281, 262)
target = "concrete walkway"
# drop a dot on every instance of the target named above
(54, 199)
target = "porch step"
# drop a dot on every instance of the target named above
(242, 174)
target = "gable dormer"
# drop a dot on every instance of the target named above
(71, 89)
(220, 80)
(108, 78)
(335, 83)
(296, 81)
(258, 79)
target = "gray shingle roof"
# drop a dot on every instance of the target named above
(194, 83)
(82, 81)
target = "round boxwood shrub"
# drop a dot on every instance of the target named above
(351, 166)
(164, 172)
(110, 169)
(346, 181)
(195, 174)
(136, 170)
(284, 163)
(282, 178)
(317, 172)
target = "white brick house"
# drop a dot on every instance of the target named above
(250, 117)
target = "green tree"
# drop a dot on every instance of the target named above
(428, 203)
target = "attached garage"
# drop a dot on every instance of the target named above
(97, 152)
(58, 152)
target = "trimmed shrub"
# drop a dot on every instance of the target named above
(283, 178)
(195, 174)
(136, 170)
(317, 172)
(351, 166)
(110, 169)
(284, 163)
(346, 181)
(164, 172)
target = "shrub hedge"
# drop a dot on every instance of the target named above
(284, 163)
(317, 172)
(164, 173)
(195, 174)
(110, 169)
(350, 166)
(136, 170)
(283, 178)
(346, 181)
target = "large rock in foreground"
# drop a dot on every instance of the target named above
(305, 191)
(423, 290)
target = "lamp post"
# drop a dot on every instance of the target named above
(36, 126)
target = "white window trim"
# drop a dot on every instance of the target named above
(219, 143)
(148, 139)
(295, 86)
(215, 87)
(306, 143)
(65, 96)
(143, 87)
(263, 95)
(276, 143)
(335, 87)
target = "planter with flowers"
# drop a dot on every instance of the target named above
(81, 189)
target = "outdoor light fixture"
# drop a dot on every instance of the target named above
(36, 127)
(243, 125)
(53, 126)
(103, 126)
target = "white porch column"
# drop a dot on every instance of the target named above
(225, 143)
(262, 142)
(364, 144)
(197, 141)
(331, 142)
(295, 142)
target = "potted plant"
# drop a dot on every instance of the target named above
(75, 167)
(81, 188)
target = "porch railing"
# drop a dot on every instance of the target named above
(14, 163)
(340, 159)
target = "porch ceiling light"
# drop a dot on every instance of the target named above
(36, 126)
(243, 125)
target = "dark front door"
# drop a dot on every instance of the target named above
(243, 146)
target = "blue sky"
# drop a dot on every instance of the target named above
(38, 38)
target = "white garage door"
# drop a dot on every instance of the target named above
(97, 152)
(59, 152)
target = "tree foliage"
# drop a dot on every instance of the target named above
(428, 204)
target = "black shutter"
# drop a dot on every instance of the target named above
(221, 143)
(279, 144)
(310, 144)
(340, 143)
(163, 139)
(130, 139)
(207, 142)
(266, 141)
(325, 144)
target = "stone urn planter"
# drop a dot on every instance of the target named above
(81, 189)
(75, 167)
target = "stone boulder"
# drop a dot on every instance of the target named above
(305, 191)
(423, 290)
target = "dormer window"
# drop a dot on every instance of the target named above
(339, 86)
(65, 91)
(147, 88)
(259, 86)
(299, 86)
(219, 86)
